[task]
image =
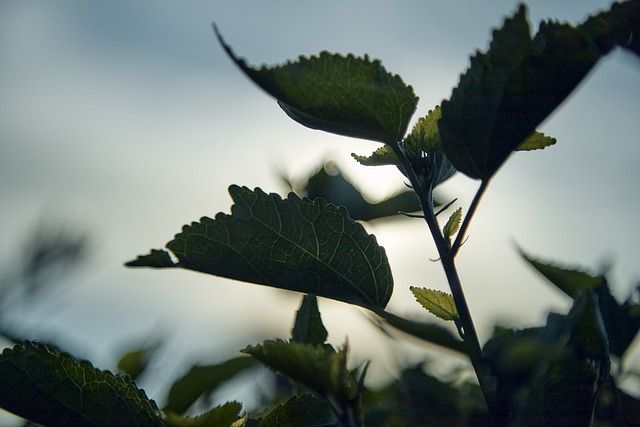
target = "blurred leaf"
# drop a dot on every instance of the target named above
(134, 362)
(308, 327)
(453, 224)
(49, 387)
(536, 141)
(305, 410)
(429, 332)
(510, 90)
(296, 244)
(329, 184)
(203, 379)
(437, 302)
(322, 369)
(227, 415)
(348, 96)
(571, 281)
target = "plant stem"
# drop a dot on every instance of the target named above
(447, 257)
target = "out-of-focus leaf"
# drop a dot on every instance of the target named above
(439, 303)
(203, 379)
(510, 90)
(429, 332)
(346, 95)
(571, 281)
(322, 369)
(50, 387)
(308, 327)
(305, 410)
(536, 141)
(296, 244)
(227, 415)
(134, 362)
(329, 183)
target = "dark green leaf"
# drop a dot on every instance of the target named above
(49, 387)
(571, 281)
(297, 244)
(305, 410)
(348, 95)
(439, 303)
(308, 327)
(510, 90)
(227, 415)
(322, 369)
(203, 379)
(429, 332)
(156, 258)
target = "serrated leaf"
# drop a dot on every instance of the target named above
(571, 281)
(346, 95)
(453, 224)
(308, 327)
(437, 302)
(510, 90)
(227, 415)
(425, 136)
(383, 156)
(49, 387)
(536, 141)
(305, 410)
(429, 332)
(202, 380)
(296, 244)
(157, 258)
(322, 369)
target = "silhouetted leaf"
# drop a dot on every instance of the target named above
(203, 379)
(305, 410)
(510, 90)
(308, 327)
(297, 244)
(429, 332)
(348, 95)
(436, 302)
(320, 368)
(227, 415)
(571, 281)
(49, 387)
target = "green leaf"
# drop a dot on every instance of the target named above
(308, 327)
(383, 156)
(571, 281)
(322, 369)
(135, 362)
(437, 302)
(297, 244)
(425, 136)
(227, 415)
(49, 387)
(156, 259)
(536, 141)
(453, 224)
(305, 410)
(510, 90)
(203, 379)
(346, 95)
(429, 332)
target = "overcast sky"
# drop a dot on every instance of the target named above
(127, 120)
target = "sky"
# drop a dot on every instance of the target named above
(127, 120)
